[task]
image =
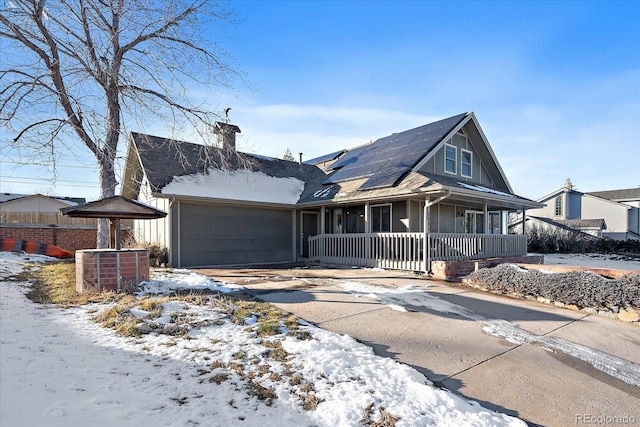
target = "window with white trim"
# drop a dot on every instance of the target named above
(450, 158)
(381, 218)
(466, 162)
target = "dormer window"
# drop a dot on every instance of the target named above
(450, 159)
(466, 161)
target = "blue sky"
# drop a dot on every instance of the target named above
(555, 85)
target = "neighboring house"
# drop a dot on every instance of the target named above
(35, 203)
(613, 214)
(437, 187)
(37, 217)
(590, 229)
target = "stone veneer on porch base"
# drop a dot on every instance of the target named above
(454, 270)
(99, 270)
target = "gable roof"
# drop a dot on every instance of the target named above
(385, 169)
(627, 194)
(163, 159)
(557, 193)
(71, 201)
(388, 159)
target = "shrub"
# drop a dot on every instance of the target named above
(545, 240)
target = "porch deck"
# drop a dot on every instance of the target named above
(405, 251)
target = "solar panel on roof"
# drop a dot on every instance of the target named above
(324, 158)
(383, 179)
(389, 158)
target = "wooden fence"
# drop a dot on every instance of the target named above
(50, 218)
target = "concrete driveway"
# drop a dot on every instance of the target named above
(547, 365)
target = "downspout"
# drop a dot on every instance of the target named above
(427, 211)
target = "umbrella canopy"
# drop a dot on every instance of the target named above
(114, 208)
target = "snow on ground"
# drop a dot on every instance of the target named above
(411, 297)
(172, 280)
(59, 368)
(593, 261)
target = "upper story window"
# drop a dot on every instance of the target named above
(558, 210)
(450, 158)
(466, 161)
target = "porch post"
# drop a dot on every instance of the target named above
(485, 212)
(367, 228)
(294, 251)
(524, 229)
(426, 256)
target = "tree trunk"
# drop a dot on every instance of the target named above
(107, 189)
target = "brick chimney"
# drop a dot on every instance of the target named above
(226, 135)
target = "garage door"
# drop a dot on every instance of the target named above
(212, 235)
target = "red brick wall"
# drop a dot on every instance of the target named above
(69, 238)
(454, 270)
(97, 270)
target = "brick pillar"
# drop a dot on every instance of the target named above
(99, 270)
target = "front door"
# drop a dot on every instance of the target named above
(309, 228)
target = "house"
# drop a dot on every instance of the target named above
(436, 192)
(35, 203)
(37, 217)
(612, 214)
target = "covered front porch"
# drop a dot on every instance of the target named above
(418, 233)
(406, 251)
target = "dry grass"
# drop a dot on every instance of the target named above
(55, 283)
(386, 419)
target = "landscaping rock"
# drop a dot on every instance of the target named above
(578, 290)
(629, 315)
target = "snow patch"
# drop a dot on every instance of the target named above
(241, 184)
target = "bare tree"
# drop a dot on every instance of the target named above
(77, 71)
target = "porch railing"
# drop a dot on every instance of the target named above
(405, 251)
(455, 246)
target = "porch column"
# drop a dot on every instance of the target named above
(367, 228)
(294, 252)
(323, 212)
(426, 256)
(486, 218)
(524, 221)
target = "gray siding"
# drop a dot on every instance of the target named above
(399, 212)
(446, 221)
(224, 235)
(615, 214)
(479, 174)
(549, 210)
